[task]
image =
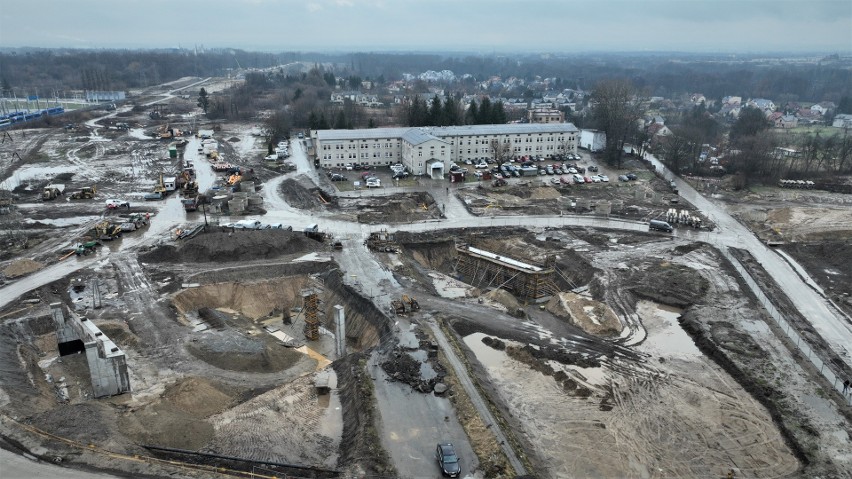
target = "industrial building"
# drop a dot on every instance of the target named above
(432, 150)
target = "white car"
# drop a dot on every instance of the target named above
(245, 225)
(604, 178)
(481, 165)
(348, 166)
(273, 156)
(115, 204)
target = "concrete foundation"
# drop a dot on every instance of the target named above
(107, 362)
(340, 337)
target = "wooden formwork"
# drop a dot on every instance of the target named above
(485, 270)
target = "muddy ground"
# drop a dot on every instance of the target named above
(659, 365)
(713, 384)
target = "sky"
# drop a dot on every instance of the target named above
(479, 26)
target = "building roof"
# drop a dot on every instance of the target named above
(439, 132)
(417, 136)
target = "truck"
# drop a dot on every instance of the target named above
(52, 191)
(86, 193)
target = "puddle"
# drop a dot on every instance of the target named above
(62, 222)
(488, 356)
(665, 337)
(26, 173)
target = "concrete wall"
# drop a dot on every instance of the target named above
(107, 362)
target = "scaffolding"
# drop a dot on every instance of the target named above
(484, 269)
(310, 307)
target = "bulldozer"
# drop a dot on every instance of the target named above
(412, 303)
(86, 193)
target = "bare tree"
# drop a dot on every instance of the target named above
(617, 108)
(501, 151)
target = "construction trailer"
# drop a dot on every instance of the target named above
(484, 269)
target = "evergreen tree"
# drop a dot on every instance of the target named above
(322, 124)
(340, 123)
(313, 122)
(498, 114)
(485, 113)
(472, 113)
(203, 100)
(436, 112)
(451, 112)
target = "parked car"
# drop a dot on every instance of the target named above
(348, 166)
(564, 180)
(481, 165)
(660, 226)
(604, 178)
(593, 168)
(578, 179)
(623, 178)
(448, 460)
(595, 179)
(499, 182)
(587, 179)
(245, 225)
(115, 204)
(554, 181)
(338, 177)
(272, 157)
(632, 176)
(400, 175)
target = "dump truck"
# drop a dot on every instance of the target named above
(86, 193)
(52, 191)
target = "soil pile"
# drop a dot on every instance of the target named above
(505, 298)
(199, 396)
(669, 283)
(299, 196)
(21, 267)
(592, 316)
(229, 246)
(402, 208)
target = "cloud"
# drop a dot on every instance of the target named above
(313, 7)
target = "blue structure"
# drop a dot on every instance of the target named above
(24, 116)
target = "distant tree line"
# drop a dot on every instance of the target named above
(660, 75)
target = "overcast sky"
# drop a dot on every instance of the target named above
(562, 26)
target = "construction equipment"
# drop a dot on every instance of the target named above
(106, 231)
(190, 204)
(86, 248)
(51, 191)
(86, 193)
(412, 303)
(398, 307)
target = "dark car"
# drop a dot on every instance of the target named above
(447, 459)
(593, 168)
(632, 176)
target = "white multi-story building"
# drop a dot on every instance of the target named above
(432, 150)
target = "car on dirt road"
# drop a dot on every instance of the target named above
(116, 204)
(448, 460)
(632, 176)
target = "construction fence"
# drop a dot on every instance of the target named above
(795, 338)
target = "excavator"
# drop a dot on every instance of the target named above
(106, 231)
(412, 303)
(86, 193)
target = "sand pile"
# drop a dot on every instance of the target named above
(592, 316)
(22, 267)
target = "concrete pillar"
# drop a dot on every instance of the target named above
(340, 333)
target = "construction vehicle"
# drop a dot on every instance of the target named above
(86, 248)
(51, 191)
(398, 307)
(106, 231)
(86, 193)
(412, 303)
(190, 204)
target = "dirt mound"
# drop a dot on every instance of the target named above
(505, 298)
(199, 397)
(592, 316)
(120, 334)
(222, 246)
(299, 196)
(21, 267)
(669, 283)
(400, 208)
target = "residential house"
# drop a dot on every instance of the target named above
(823, 107)
(545, 115)
(767, 106)
(842, 120)
(780, 120)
